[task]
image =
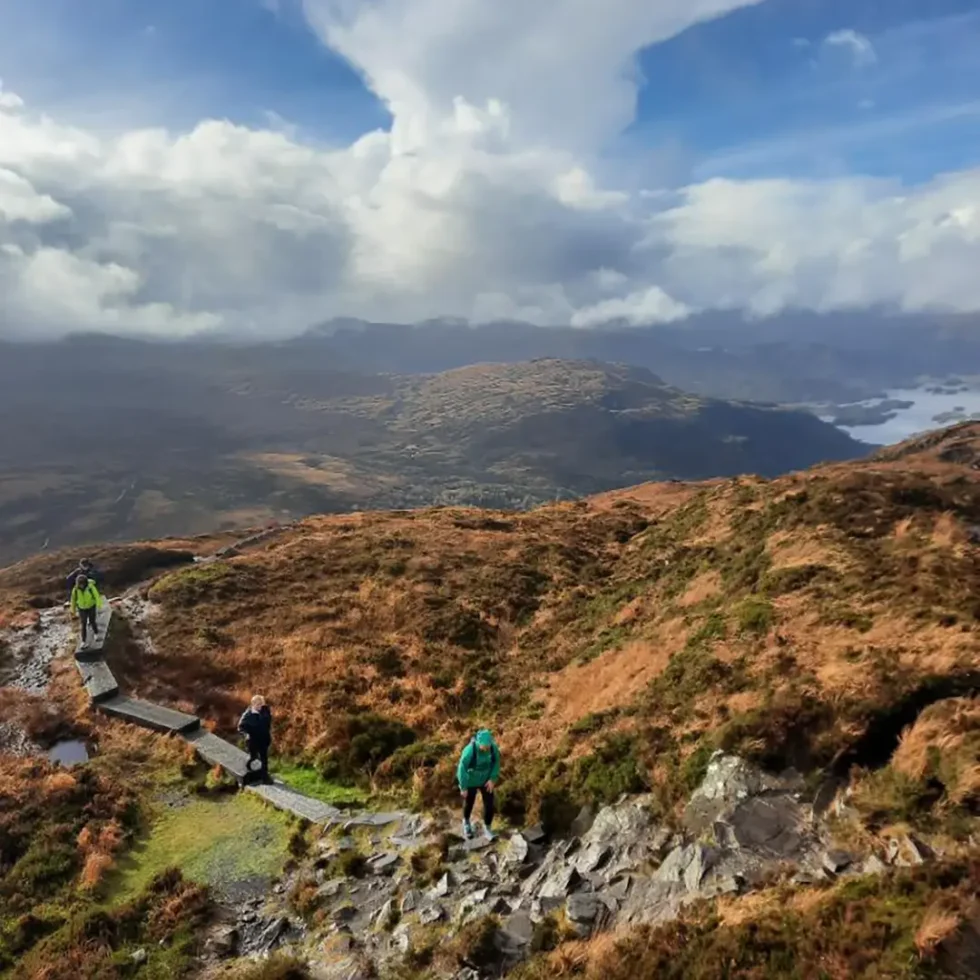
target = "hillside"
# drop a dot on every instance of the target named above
(120, 440)
(821, 626)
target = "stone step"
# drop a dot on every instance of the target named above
(92, 650)
(98, 680)
(284, 798)
(152, 716)
(218, 752)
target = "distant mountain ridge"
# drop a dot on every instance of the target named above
(121, 440)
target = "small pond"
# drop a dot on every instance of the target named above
(70, 752)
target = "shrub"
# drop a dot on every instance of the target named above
(755, 615)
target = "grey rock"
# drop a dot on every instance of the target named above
(345, 913)
(331, 888)
(499, 906)
(583, 822)
(728, 782)
(467, 973)
(770, 824)
(559, 883)
(582, 908)
(610, 901)
(623, 823)
(402, 937)
(518, 929)
(385, 914)
(431, 913)
(533, 835)
(702, 859)
(139, 956)
(411, 901)
(385, 863)
(836, 861)
(517, 850)
(592, 858)
(272, 933)
(223, 943)
(620, 889)
(472, 900)
(873, 865)
(442, 887)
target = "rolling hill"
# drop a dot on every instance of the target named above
(120, 440)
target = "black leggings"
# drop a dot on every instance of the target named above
(87, 618)
(470, 801)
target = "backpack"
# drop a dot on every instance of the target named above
(475, 756)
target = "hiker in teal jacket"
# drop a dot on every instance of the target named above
(478, 771)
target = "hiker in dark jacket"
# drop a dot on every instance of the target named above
(256, 725)
(86, 568)
(478, 772)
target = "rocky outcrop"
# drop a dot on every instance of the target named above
(740, 829)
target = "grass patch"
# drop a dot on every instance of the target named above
(222, 843)
(308, 781)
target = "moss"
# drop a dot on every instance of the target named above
(164, 920)
(221, 843)
(193, 585)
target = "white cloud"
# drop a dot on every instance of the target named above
(859, 46)
(9, 101)
(481, 202)
(651, 305)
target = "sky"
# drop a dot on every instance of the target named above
(171, 167)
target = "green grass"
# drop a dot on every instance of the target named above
(306, 780)
(220, 843)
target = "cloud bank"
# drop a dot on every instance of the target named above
(482, 200)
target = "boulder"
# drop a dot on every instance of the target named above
(517, 850)
(836, 861)
(592, 858)
(518, 929)
(582, 908)
(559, 883)
(431, 912)
(411, 900)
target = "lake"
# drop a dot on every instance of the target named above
(919, 418)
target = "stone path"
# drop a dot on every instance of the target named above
(93, 650)
(104, 693)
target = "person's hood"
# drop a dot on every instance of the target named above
(483, 738)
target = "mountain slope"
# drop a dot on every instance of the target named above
(822, 625)
(130, 440)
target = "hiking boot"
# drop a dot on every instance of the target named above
(467, 830)
(488, 834)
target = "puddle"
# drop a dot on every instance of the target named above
(69, 753)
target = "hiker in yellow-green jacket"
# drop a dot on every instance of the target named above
(85, 602)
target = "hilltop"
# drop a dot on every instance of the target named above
(157, 440)
(822, 626)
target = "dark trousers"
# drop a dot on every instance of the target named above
(470, 801)
(87, 619)
(260, 752)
